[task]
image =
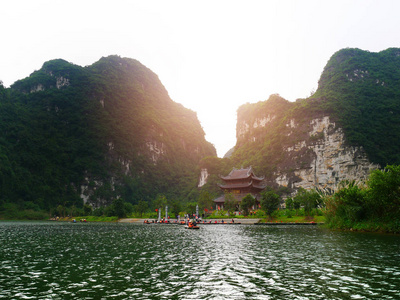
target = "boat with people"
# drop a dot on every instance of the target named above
(192, 225)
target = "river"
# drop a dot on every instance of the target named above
(55, 260)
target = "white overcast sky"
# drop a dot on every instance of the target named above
(212, 56)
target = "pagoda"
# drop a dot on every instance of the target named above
(240, 182)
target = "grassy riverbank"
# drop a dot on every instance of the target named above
(279, 216)
(365, 226)
(295, 219)
(89, 219)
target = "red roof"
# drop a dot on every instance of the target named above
(242, 185)
(235, 186)
(238, 197)
(241, 174)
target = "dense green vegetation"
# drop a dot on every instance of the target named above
(106, 131)
(358, 89)
(269, 202)
(258, 147)
(374, 205)
(110, 131)
(247, 203)
(361, 89)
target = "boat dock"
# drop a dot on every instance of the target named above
(225, 222)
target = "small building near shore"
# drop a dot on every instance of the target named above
(239, 183)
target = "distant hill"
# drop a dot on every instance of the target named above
(72, 134)
(361, 89)
(350, 126)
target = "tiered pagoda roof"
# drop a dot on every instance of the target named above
(239, 183)
(242, 185)
(240, 174)
(242, 179)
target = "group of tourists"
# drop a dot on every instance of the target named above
(81, 220)
(190, 222)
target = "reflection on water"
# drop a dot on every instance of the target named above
(122, 261)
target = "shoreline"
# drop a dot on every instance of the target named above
(226, 222)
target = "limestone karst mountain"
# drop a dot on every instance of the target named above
(350, 126)
(72, 134)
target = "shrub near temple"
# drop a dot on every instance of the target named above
(247, 203)
(230, 203)
(269, 202)
(309, 199)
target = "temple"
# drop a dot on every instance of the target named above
(240, 182)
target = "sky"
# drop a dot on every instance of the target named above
(211, 56)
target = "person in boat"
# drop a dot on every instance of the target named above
(190, 224)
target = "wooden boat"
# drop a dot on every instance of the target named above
(192, 227)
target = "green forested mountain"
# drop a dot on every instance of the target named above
(360, 90)
(96, 132)
(358, 94)
(70, 133)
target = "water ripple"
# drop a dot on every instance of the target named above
(126, 261)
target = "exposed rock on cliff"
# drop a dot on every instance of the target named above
(302, 152)
(91, 134)
(328, 160)
(347, 128)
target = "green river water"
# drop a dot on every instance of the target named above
(54, 260)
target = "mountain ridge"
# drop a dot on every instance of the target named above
(347, 128)
(75, 135)
(92, 134)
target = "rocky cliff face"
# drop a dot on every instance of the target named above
(328, 159)
(348, 127)
(203, 177)
(297, 149)
(74, 135)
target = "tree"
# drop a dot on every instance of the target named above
(269, 202)
(384, 192)
(347, 204)
(309, 199)
(247, 203)
(87, 209)
(289, 203)
(60, 210)
(100, 211)
(296, 204)
(2, 90)
(230, 203)
(118, 206)
(205, 200)
(191, 207)
(160, 202)
(141, 207)
(174, 207)
(128, 207)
